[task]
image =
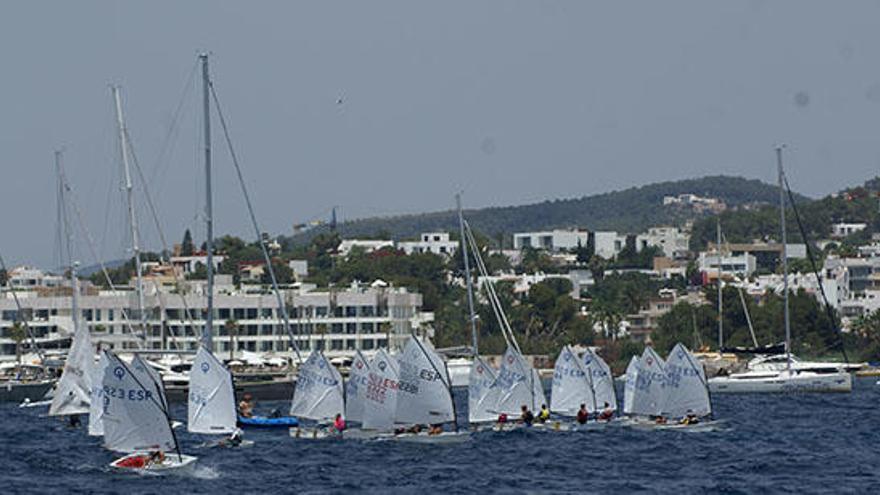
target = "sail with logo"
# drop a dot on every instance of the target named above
(73, 392)
(319, 394)
(648, 396)
(98, 402)
(380, 397)
(356, 387)
(571, 385)
(629, 388)
(687, 391)
(211, 404)
(601, 382)
(424, 395)
(480, 381)
(516, 385)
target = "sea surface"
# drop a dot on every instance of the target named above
(764, 444)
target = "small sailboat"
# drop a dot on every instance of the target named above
(646, 381)
(74, 389)
(211, 400)
(480, 381)
(380, 397)
(601, 381)
(687, 403)
(319, 396)
(355, 388)
(136, 419)
(571, 385)
(516, 385)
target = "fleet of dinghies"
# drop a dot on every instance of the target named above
(581, 380)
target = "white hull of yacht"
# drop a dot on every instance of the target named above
(172, 463)
(781, 382)
(780, 363)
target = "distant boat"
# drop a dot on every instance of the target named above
(318, 397)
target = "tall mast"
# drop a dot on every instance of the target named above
(68, 240)
(132, 218)
(720, 301)
(784, 256)
(467, 276)
(208, 333)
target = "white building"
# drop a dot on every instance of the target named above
(188, 264)
(339, 321)
(28, 277)
(551, 240)
(843, 229)
(608, 244)
(430, 242)
(742, 265)
(673, 241)
(367, 245)
(300, 268)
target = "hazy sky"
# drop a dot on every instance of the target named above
(511, 101)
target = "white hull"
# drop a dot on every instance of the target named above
(780, 363)
(314, 434)
(446, 437)
(172, 463)
(781, 382)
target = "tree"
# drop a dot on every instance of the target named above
(17, 333)
(231, 327)
(186, 247)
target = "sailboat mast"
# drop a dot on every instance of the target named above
(207, 333)
(68, 239)
(132, 218)
(720, 300)
(467, 275)
(784, 256)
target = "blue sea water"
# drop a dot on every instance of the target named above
(767, 444)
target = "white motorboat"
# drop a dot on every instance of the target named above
(779, 362)
(781, 381)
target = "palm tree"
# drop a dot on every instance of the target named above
(17, 334)
(231, 327)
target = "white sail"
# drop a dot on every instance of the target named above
(423, 395)
(686, 389)
(601, 380)
(539, 401)
(211, 401)
(632, 375)
(158, 385)
(571, 387)
(648, 396)
(356, 387)
(479, 384)
(98, 401)
(319, 394)
(380, 397)
(135, 420)
(515, 386)
(73, 392)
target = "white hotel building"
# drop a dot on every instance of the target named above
(339, 322)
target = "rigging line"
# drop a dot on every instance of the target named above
(173, 128)
(742, 300)
(91, 243)
(828, 310)
(281, 304)
(155, 214)
(20, 315)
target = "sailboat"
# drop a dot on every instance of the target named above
(647, 381)
(136, 419)
(687, 401)
(480, 380)
(98, 401)
(73, 391)
(571, 385)
(629, 387)
(356, 388)
(319, 396)
(380, 396)
(789, 379)
(211, 400)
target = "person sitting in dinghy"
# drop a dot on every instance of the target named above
(690, 418)
(502, 419)
(436, 429)
(607, 413)
(544, 414)
(583, 415)
(246, 406)
(527, 417)
(338, 424)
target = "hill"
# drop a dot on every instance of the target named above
(628, 211)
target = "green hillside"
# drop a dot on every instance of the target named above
(629, 211)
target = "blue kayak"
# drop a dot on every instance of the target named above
(267, 422)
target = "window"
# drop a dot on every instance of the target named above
(368, 310)
(351, 311)
(252, 313)
(266, 313)
(223, 313)
(381, 342)
(321, 311)
(367, 345)
(238, 313)
(351, 328)
(336, 345)
(336, 328)
(350, 344)
(368, 327)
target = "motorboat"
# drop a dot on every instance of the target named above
(781, 381)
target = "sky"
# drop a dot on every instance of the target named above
(388, 107)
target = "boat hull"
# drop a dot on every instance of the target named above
(265, 422)
(172, 463)
(19, 391)
(783, 382)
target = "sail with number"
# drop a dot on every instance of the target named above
(98, 402)
(515, 386)
(73, 392)
(356, 387)
(629, 388)
(601, 381)
(135, 419)
(158, 386)
(686, 388)
(380, 397)
(319, 394)
(211, 400)
(648, 396)
(480, 381)
(571, 386)
(424, 395)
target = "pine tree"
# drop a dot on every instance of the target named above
(186, 247)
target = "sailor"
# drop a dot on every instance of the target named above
(607, 413)
(660, 420)
(690, 418)
(583, 415)
(436, 429)
(339, 424)
(157, 457)
(544, 414)
(246, 406)
(235, 439)
(527, 417)
(73, 421)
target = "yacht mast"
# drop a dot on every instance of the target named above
(207, 334)
(68, 239)
(467, 275)
(784, 256)
(720, 302)
(132, 218)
